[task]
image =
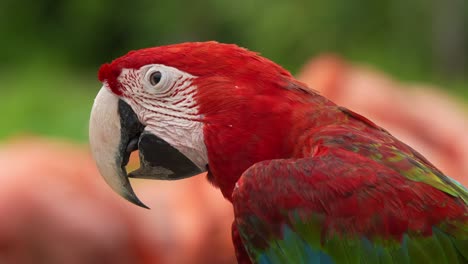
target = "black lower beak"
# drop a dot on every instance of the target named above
(159, 160)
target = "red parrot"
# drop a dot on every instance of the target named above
(310, 181)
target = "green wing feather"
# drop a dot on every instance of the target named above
(274, 232)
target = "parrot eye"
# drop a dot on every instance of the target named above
(158, 79)
(155, 78)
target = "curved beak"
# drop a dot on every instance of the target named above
(115, 132)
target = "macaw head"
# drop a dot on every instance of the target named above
(190, 108)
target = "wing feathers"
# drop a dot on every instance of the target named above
(290, 211)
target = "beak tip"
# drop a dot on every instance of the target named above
(134, 200)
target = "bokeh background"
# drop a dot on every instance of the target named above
(402, 63)
(51, 49)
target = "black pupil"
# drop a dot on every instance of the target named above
(155, 77)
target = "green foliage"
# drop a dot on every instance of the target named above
(90, 32)
(48, 101)
(56, 39)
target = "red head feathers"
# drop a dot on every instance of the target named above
(245, 102)
(196, 58)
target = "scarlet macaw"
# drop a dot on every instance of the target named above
(310, 181)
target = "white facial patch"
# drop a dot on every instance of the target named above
(167, 107)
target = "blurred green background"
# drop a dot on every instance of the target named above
(52, 49)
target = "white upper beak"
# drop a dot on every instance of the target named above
(106, 144)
